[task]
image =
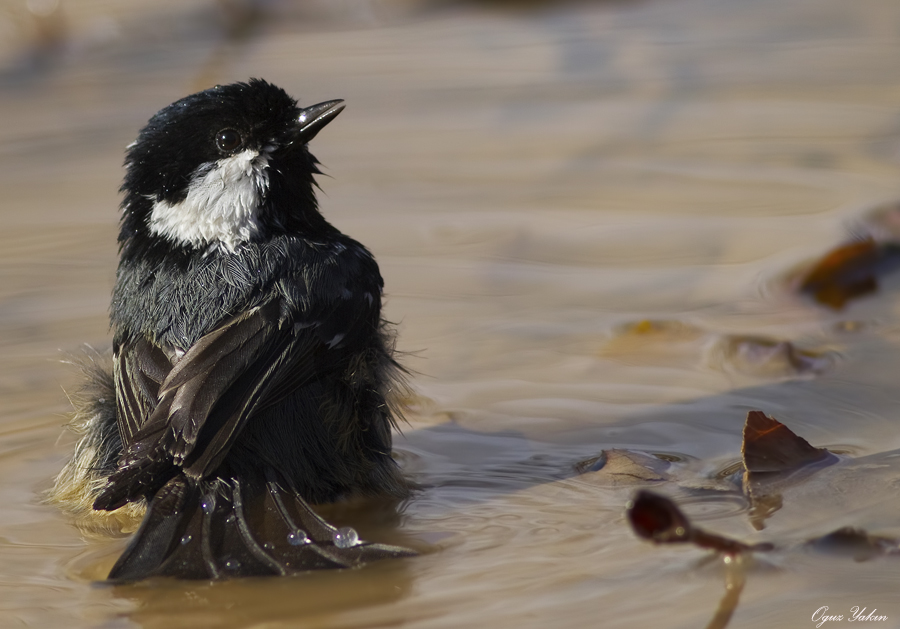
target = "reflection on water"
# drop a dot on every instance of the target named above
(587, 215)
(314, 597)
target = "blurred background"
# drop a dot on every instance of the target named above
(590, 217)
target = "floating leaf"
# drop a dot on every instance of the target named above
(771, 452)
(770, 446)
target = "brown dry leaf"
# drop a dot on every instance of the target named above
(770, 446)
(771, 452)
(849, 271)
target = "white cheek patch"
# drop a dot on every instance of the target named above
(222, 203)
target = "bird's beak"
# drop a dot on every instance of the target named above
(312, 119)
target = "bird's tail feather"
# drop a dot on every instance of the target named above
(231, 527)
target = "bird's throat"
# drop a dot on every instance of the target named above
(221, 208)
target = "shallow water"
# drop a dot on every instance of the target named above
(576, 210)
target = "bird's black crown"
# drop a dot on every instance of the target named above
(254, 133)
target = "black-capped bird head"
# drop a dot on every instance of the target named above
(222, 167)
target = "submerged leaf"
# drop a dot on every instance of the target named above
(850, 271)
(652, 342)
(768, 357)
(856, 543)
(624, 467)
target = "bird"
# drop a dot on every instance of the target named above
(252, 372)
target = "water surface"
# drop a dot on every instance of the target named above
(535, 184)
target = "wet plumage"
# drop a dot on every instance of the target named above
(251, 368)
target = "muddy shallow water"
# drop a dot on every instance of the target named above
(580, 211)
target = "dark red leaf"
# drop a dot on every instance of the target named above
(657, 518)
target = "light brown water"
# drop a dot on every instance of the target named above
(535, 184)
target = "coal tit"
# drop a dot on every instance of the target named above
(251, 369)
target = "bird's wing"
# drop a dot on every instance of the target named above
(207, 396)
(138, 371)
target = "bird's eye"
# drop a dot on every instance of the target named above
(227, 140)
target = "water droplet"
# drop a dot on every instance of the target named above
(297, 538)
(186, 540)
(231, 518)
(207, 508)
(232, 564)
(269, 546)
(346, 537)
